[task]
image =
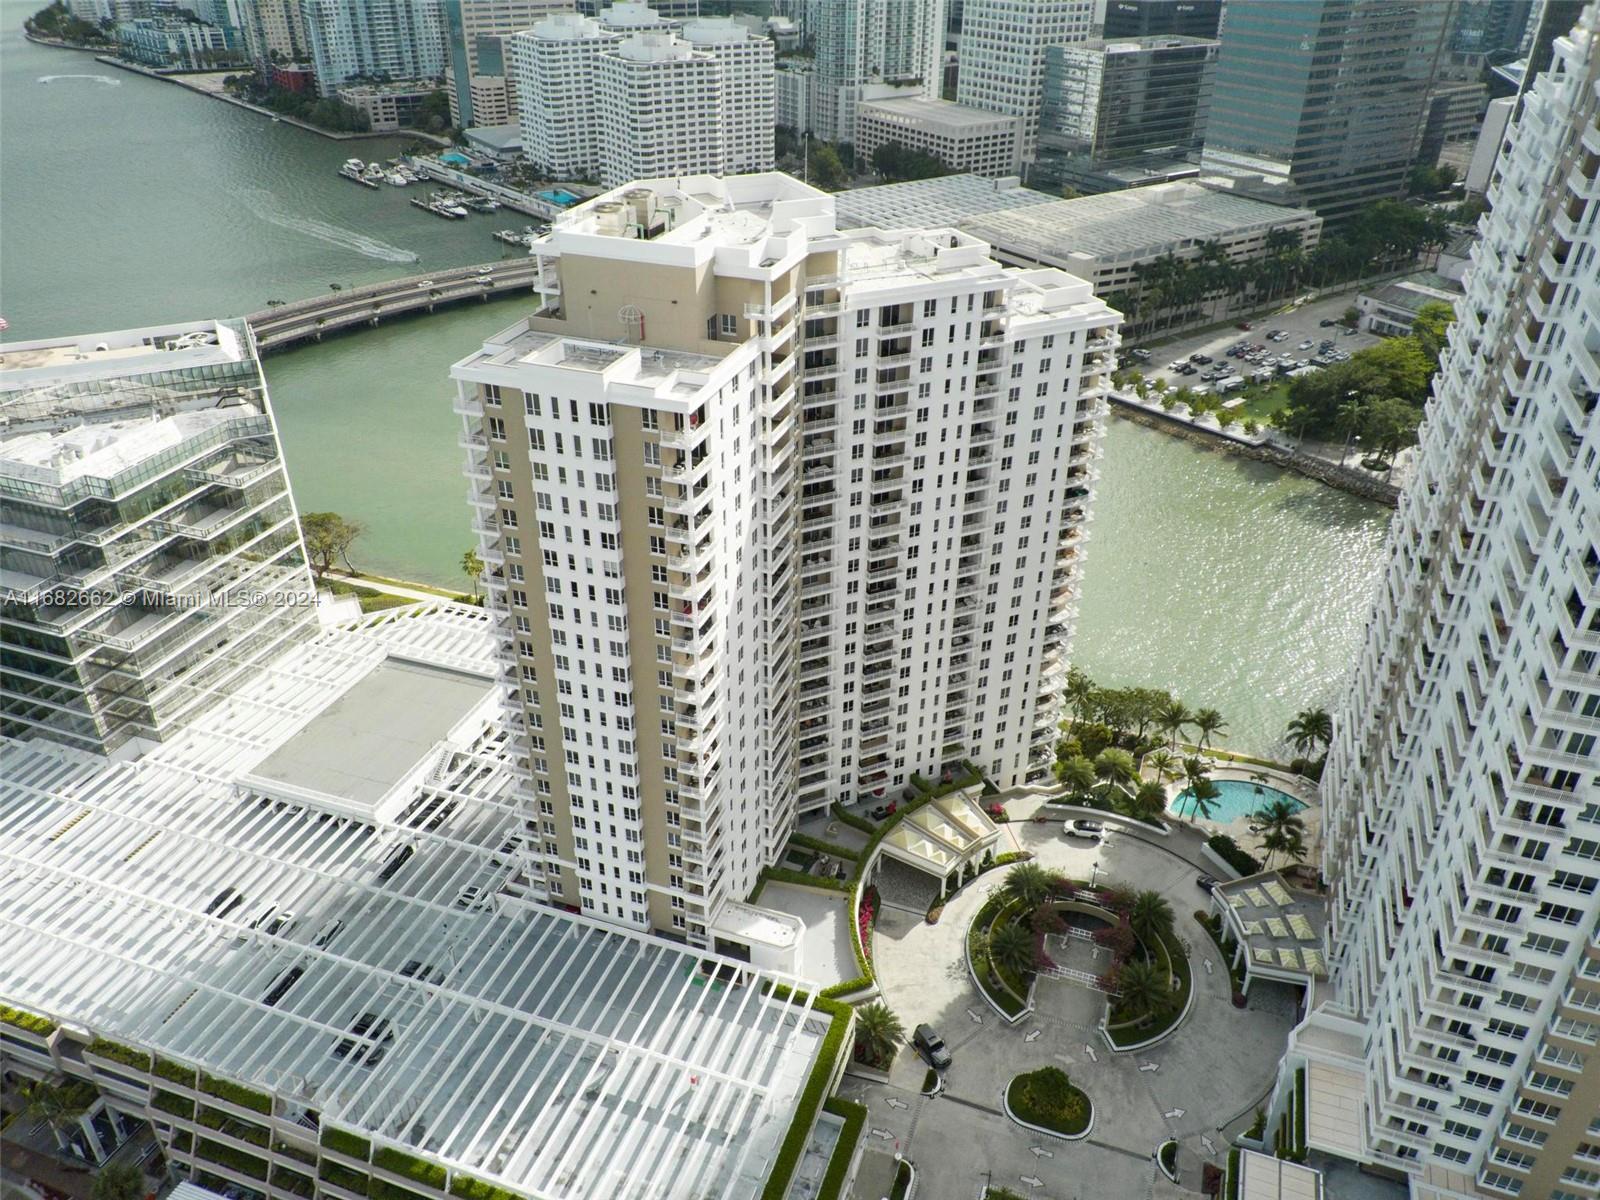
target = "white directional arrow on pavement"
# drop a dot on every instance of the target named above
(977, 1018)
(894, 1103)
(1089, 1050)
(1208, 966)
(1149, 1066)
(884, 1134)
(1034, 1036)
(1033, 1181)
(1041, 1152)
(1211, 1147)
(1173, 1114)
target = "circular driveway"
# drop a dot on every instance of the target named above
(1214, 1069)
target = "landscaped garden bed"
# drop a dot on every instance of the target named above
(1048, 1100)
(1167, 1160)
(904, 1176)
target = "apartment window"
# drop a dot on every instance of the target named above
(497, 429)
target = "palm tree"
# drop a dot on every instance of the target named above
(1011, 947)
(472, 568)
(60, 1106)
(1171, 718)
(1028, 883)
(1079, 692)
(1164, 763)
(1076, 774)
(1115, 767)
(1309, 728)
(1148, 803)
(1207, 721)
(1150, 916)
(878, 1031)
(1280, 816)
(1200, 793)
(1142, 988)
(118, 1181)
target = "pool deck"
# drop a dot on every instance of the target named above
(1295, 786)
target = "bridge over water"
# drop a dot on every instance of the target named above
(308, 320)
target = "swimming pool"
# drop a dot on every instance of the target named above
(559, 196)
(1238, 798)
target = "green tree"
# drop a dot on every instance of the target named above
(1309, 728)
(1076, 774)
(1430, 327)
(1280, 819)
(1028, 883)
(1207, 723)
(1080, 691)
(118, 1181)
(1171, 719)
(433, 113)
(329, 536)
(1145, 804)
(58, 1105)
(827, 171)
(1390, 424)
(1151, 916)
(472, 568)
(1142, 988)
(895, 162)
(878, 1031)
(1163, 763)
(1200, 794)
(1115, 769)
(1013, 948)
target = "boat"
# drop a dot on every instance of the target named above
(482, 204)
(354, 164)
(373, 174)
(395, 179)
(449, 212)
(355, 176)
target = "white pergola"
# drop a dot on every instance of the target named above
(542, 1050)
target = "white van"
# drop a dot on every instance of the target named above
(1231, 384)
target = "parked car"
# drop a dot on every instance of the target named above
(931, 1046)
(367, 1026)
(1082, 827)
(1140, 353)
(1305, 345)
(1205, 883)
(1243, 325)
(1327, 322)
(1202, 359)
(474, 897)
(884, 810)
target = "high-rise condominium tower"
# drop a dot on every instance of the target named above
(774, 516)
(402, 39)
(1003, 45)
(1457, 1041)
(652, 102)
(478, 70)
(151, 556)
(1325, 97)
(865, 50)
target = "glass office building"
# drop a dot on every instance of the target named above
(150, 555)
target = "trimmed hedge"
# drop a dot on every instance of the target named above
(1047, 1097)
(855, 1116)
(851, 819)
(1225, 848)
(171, 1102)
(989, 979)
(236, 1094)
(351, 1181)
(346, 1143)
(117, 1052)
(785, 875)
(847, 988)
(401, 1163)
(1231, 1184)
(293, 1181)
(32, 1022)
(469, 1188)
(175, 1072)
(811, 1098)
(238, 1160)
(822, 847)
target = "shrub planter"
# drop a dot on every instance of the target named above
(905, 1180)
(1068, 1130)
(1167, 1159)
(1024, 1006)
(932, 1083)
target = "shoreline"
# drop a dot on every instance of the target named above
(1263, 450)
(180, 80)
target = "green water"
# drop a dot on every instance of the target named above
(1237, 586)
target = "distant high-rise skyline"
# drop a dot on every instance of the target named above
(1003, 50)
(1151, 18)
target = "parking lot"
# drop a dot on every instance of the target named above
(1297, 327)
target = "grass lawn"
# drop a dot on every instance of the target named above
(1263, 400)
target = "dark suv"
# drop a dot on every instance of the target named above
(931, 1046)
